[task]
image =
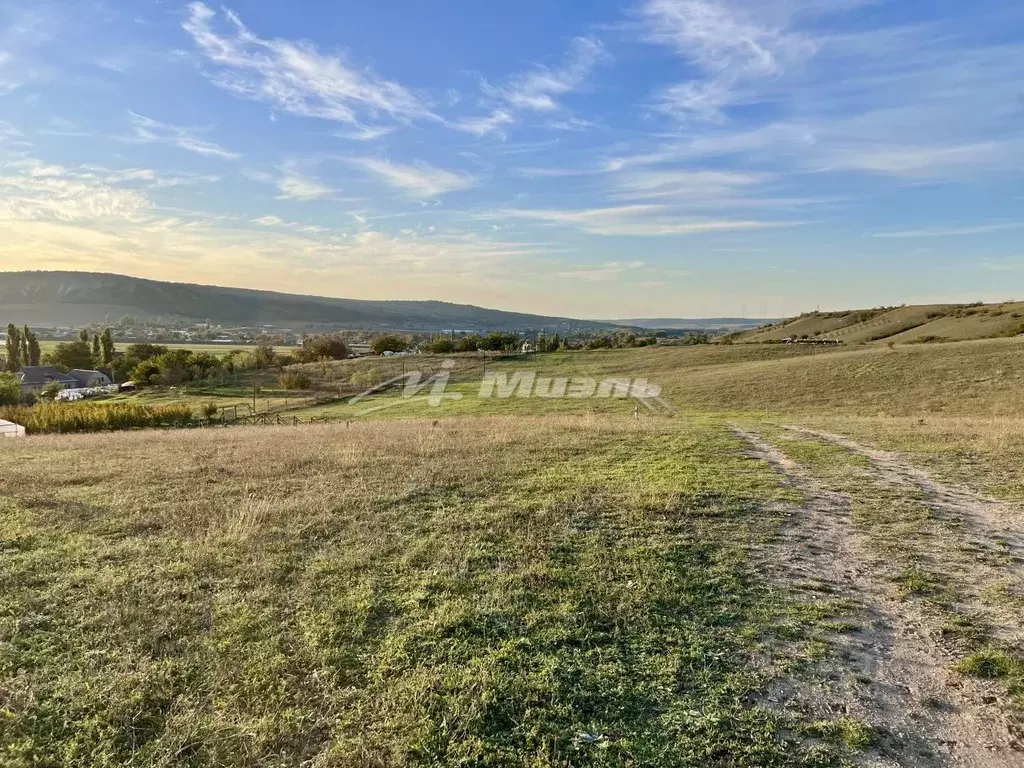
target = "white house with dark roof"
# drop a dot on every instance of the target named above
(34, 378)
(87, 378)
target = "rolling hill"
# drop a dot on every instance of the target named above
(693, 323)
(902, 325)
(75, 298)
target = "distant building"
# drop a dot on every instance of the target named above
(34, 378)
(87, 378)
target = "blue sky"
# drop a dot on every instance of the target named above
(601, 159)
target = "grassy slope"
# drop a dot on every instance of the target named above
(490, 592)
(975, 378)
(902, 324)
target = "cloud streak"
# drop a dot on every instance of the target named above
(981, 229)
(539, 89)
(145, 130)
(420, 181)
(630, 220)
(294, 76)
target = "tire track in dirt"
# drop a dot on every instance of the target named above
(989, 518)
(890, 672)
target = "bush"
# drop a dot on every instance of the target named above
(365, 378)
(388, 343)
(323, 346)
(49, 392)
(443, 345)
(295, 380)
(210, 411)
(10, 389)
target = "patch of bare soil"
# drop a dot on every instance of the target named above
(889, 671)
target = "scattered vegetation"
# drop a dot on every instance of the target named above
(64, 418)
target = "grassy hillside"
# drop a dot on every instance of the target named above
(914, 324)
(970, 378)
(75, 298)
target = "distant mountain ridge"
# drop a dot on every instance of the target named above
(75, 298)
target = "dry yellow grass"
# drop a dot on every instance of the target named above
(945, 322)
(541, 588)
(489, 591)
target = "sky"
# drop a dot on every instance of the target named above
(607, 159)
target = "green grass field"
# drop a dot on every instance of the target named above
(537, 582)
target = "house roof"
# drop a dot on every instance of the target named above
(42, 374)
(85, 372)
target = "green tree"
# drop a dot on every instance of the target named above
(145, 372)
(107, 347)
(26, 334)
(34, 352)
(50, 391)
(388, 343)
(442, 345)
(323, 345)
(204, 365)
(264, 356)
(10, 389)
(13, 348)
(83, 335)
(97, 358)
(71, 354)
(554, 344)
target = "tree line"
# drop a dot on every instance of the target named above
(22, 348)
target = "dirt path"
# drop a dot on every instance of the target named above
(991, 519)
(890, 673)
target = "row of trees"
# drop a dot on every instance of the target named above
(87, 352)
(22, 347)
(148, 364)
(496, 341)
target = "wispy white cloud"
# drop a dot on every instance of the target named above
(481, 126)
(93, 218)
(35, 191)
(294, 76)
(8, 131)
(539, 89)
(979, 229)
(294, 186)
(600, 273)
(729, 42)
(683, 184)
(630, 220)
(366, 132)
(420, 180)
(145, 130)
(577, 124)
